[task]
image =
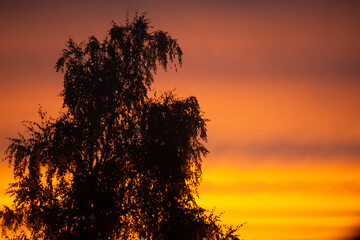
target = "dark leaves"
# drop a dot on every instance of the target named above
(116, 164)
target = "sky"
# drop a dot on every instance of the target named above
(278, 80)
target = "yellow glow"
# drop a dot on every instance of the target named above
(284, 202)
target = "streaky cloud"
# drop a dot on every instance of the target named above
(291, 149)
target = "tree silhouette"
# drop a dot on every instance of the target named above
(116, 164)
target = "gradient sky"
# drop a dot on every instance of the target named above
(279, 81)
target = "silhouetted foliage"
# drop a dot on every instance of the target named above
(117, 164)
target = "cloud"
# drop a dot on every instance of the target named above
(290, 149)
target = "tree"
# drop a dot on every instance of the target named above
(116, 164)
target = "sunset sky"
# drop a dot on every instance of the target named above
(279, 81)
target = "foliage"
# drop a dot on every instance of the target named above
(116, 164)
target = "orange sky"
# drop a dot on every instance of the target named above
(279, 81)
